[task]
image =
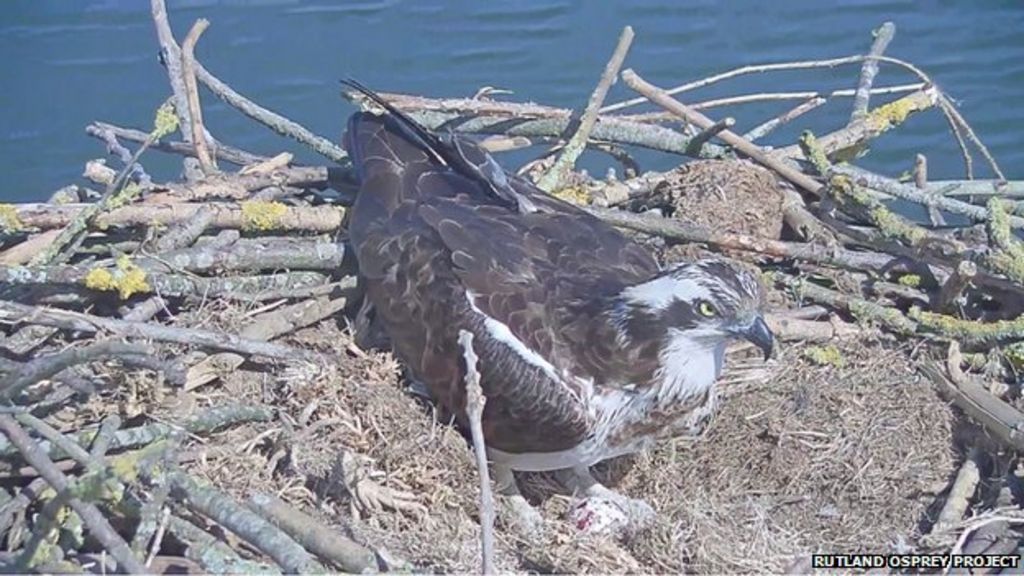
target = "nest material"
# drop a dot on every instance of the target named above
(728, 195)
(801, 458)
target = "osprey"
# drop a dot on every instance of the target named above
(587, 349)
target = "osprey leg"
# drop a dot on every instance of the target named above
(514, 510)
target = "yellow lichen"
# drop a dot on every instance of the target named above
(911, 280)
(888, 115)
(825, 356)
(892, 225)
(126, 196)
(813, 152)
(165, 122)
(259, 215)
(574, 195)
(100, 279)
(127, 279)
(971, 331)
(9, 221)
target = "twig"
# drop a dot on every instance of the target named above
(48, 366)
(762, 130)
(275, 122)
(158, 538)
(705, 135)
(90, 514)
(765, 97)
(951, 112)
(869, 69)
(761, 68)
(12, 312)
(960, 142)
(184, 233)
(661, 98)
(125, 155)
(1004, 189)
(322, 540)
(188, 59)
(556, 175)
(253, 254)
(222, 151)
(475, 401)
(921, 183)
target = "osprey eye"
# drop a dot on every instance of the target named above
(706, 309)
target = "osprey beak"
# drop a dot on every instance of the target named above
(758, 334)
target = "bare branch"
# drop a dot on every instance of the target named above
(475, 401)
(195, 110)
(883, 36)
(556, 175)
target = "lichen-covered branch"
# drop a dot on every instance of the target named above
(90, 514)
(253, 215)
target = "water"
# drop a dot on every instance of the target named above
(68, 63)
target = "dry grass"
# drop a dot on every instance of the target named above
(801, 458)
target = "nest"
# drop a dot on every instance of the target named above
(848, 456)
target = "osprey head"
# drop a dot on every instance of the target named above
(709, 301)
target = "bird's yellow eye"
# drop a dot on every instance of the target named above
(706, 309)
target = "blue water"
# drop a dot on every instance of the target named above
(66, 63)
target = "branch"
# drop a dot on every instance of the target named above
(922, 197)
(188, 60)
(253, 215)
(999, 418)
(272, 120)
(762, 130)
(11, 312)
(48, 366)
(475, 401)
(808, 252)
(171, 58)
(877, 122)
(129, 279)
(322, 540)
(469, 117)
(661, 98)
(556, 175)
(90, 514)
(868, 71)
(248, 525)
(224, 152)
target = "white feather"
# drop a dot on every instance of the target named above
(659, 293)
(502, 333)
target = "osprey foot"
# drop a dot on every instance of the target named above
(520, 518)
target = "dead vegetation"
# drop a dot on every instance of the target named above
(183, 390)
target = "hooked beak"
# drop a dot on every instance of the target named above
(758, 334)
